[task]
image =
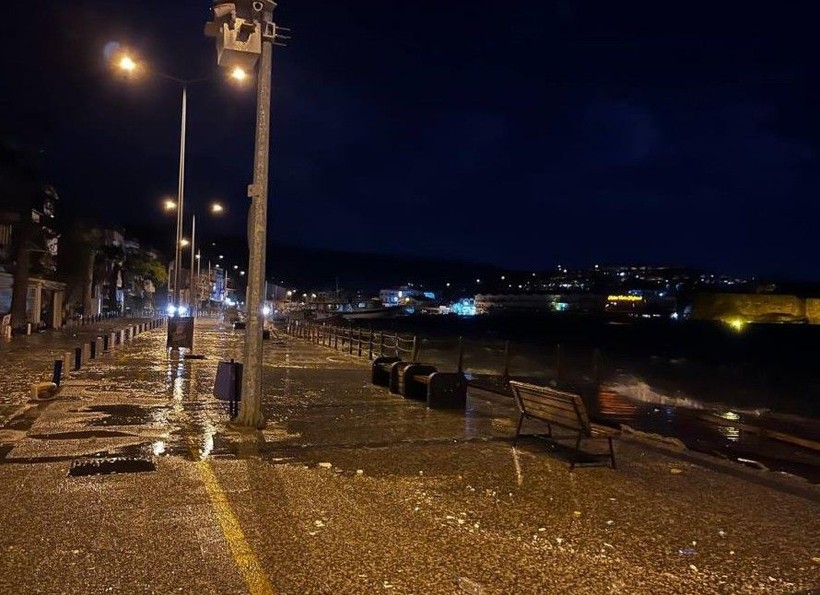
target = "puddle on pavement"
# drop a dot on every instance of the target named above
(82, 435)
(108, 466)
(124, 415)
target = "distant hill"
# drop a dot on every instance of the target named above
(298, 266)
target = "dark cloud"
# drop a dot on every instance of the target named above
(519, 134)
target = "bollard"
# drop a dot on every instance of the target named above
(57, 375)
(28, 328)
(105, 343)
(78, 357)
(93, 346)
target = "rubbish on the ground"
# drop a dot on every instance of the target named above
(325, 465)
(319, 523)
(468, 585)
(721, 532)
(687, 551)
(576, 514)
(359, 471)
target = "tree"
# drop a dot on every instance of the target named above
(22, 192)
(80, 243)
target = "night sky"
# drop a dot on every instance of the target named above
(519, 133)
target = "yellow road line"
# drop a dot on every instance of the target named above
(246, 560)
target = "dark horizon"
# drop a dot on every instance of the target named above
(519, 137)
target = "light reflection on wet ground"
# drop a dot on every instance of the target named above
(402, 494)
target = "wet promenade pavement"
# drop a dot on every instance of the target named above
(352, 490)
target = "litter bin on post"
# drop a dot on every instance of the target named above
(228, 385)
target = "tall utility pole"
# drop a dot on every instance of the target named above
(180, 196)
(244, 32)
(250, 409)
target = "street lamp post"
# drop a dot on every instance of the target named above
(244, 31)
(180, 195)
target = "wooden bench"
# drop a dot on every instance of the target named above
(558, 408)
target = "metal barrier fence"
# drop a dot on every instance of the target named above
(357, 341)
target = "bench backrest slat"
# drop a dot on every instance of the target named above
(551, 405)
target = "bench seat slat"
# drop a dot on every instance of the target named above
(558, 405)
(567, 421)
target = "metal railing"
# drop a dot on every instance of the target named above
(359, 341)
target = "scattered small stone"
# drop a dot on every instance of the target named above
(576, 514)
(721, 532)
(421, 472)
(816, 559)
(731, 552)
(325, 465)
(693, 567)
(610, 522)
(609, 545)
(319, 523)
(675, 471)
(560, 540)
(541, 529)
(359, 471)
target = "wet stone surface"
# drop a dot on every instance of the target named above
(350, 489)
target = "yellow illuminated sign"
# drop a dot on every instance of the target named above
(625, 298)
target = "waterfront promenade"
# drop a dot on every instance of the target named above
(352, 490)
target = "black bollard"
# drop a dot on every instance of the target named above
(93, 352)
(78, 357)
(105, 342)
(58, 372)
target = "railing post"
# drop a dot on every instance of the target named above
(359, 333)
(381, 343)
(596, 366)
(350, 340)
(460, 355)
(370, 343)
(505, 377)
(336, 338)
(414, 354)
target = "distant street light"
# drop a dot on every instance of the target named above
(129, 65)
(217, 208)
(169, 205)
(184, 243)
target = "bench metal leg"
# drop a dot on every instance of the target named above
(518, 429)
(577, 452)
(611, 452)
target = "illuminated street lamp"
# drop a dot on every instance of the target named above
(245, 35)
(129, 64)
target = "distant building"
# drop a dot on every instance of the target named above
(44, 303)
(405, 295)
